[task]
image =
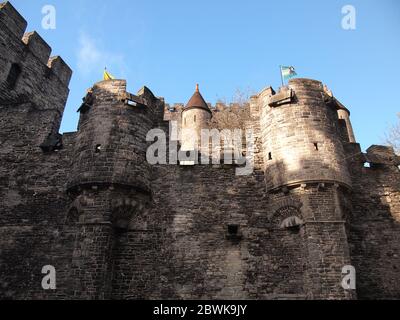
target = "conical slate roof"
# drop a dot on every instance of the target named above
(197, 101)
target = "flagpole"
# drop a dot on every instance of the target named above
(280, 68)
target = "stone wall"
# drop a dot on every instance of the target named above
(115, 227)
(374, 223)
(33, 202)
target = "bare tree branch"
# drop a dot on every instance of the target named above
(234, 114)
(393, 136)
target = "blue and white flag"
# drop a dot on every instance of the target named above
(288, 72)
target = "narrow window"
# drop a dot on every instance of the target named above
(184, 120)
(270, 156)
(234, 233)
(233, 229)
(194, 119)
(316, 146)
(13, 75)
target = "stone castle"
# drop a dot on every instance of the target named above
(115, 227)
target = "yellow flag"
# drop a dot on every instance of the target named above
(107, 75)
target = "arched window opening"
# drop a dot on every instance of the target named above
(292, 223)
(289, 218)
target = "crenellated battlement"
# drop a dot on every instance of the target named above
(119, 214)
(177, 108)
(31, 81)
(13, 27)
(60, 69)
(37, 46)
(12, 19)
(382, 155)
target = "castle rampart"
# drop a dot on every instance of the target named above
(115, 226)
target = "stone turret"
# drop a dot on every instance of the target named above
(307, 178)
(195, 117)
(344, 114)
(109, 179)
(111, 142)
(301, 139)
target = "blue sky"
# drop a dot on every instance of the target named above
(224, 45)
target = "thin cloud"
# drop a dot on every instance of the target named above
(92, 58)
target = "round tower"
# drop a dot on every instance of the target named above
(301, 139)
(308, 182)
(195, 117)
(111, 141)
(109, 180)
(344, 114)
